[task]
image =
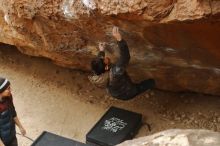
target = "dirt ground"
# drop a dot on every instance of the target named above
(62, 101)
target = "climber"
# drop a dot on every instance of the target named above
(8, 116)
(114, 76)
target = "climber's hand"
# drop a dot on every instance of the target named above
(116, 33)
(102, 46)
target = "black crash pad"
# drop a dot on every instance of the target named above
(50, 139)
(115, 126)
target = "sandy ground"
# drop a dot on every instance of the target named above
(59, 100)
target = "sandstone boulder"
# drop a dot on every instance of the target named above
(177, 137)
(174, 41)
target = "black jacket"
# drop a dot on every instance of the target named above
(7, 124)
(120, 85)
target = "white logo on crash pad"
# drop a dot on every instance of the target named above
(114, 124)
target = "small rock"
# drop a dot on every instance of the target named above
(151, 93)
(192, 118)
(183, 115)
(172, 123)
(177, 118)
(147, 96)
(199, 113)
(214, 121)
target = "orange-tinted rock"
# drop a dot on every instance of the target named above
(174, 41)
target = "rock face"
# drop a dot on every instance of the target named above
(178, 137)
(174, 41)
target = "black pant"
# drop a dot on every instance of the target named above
(145, 85)
(138, 89)
(14, 142)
